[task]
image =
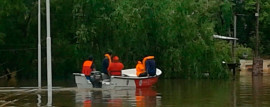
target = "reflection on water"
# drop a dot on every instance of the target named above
(49, 93)
(246, 91)
(38, 100)
(143, 97)
(254, 91)
(146, 97)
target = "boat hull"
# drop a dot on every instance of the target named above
(127, 81)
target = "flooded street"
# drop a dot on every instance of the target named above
(243, 92)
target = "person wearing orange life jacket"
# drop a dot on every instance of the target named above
(140, 70)
(106, 62)
(149, 65)
(88, 67)
(115, 67)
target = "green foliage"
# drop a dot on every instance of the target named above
(2, 38)
(178, 33)
(244, 52)
(246, 24)
(265, 26)
(223, 17)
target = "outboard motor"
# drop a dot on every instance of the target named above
(96, 79)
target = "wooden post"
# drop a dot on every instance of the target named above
(257, 62)
(257, 30)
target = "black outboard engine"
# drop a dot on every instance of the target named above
(96, 78)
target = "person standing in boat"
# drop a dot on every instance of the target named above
(140, 69)
(150, 65)
(88, 67)
(106, 62)
(115, 67)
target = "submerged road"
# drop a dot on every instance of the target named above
(10, 95)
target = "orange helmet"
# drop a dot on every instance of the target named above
(115, 58)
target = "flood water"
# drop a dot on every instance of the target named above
(242, 92)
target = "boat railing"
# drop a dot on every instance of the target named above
(133, 77)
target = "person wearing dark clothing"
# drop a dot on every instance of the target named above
(106, 63)
(150, 65)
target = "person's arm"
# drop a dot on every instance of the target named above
(147, 66)
(109, 68)
(93, 67)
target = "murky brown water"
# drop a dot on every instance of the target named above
(243, 92)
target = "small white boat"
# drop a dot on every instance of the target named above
(128, 80)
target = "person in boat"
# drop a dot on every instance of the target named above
(106, 62)
(149, 65)
(140, 71)
(115, 67)
(88, 67)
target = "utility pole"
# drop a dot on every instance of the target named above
(234, 44)
(257, 62)
(234, 41)
(39, 47)
(49, 62)
(234, 65)
(257, 30)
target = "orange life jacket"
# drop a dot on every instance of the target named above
(115, 68)
(86, 70)
(139, 68)
(146, 58)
